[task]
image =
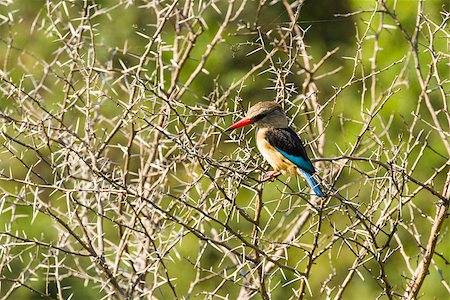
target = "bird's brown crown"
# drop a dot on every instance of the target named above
(267, 114)
(263, 108)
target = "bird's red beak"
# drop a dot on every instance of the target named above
(241, 123)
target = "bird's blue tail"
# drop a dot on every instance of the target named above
(313, 183)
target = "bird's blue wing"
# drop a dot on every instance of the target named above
(287, 142)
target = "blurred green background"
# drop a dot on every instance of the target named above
(27, 42)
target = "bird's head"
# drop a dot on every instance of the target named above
(267, 114)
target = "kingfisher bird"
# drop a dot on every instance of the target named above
(278, 143)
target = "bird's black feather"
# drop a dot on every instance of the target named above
(287, 141)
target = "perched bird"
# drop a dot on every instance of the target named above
(278, 143)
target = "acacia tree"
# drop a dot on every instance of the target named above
(118, 180)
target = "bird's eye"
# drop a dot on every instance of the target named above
(259, 117)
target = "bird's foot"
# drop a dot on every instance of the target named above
(272, 175)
